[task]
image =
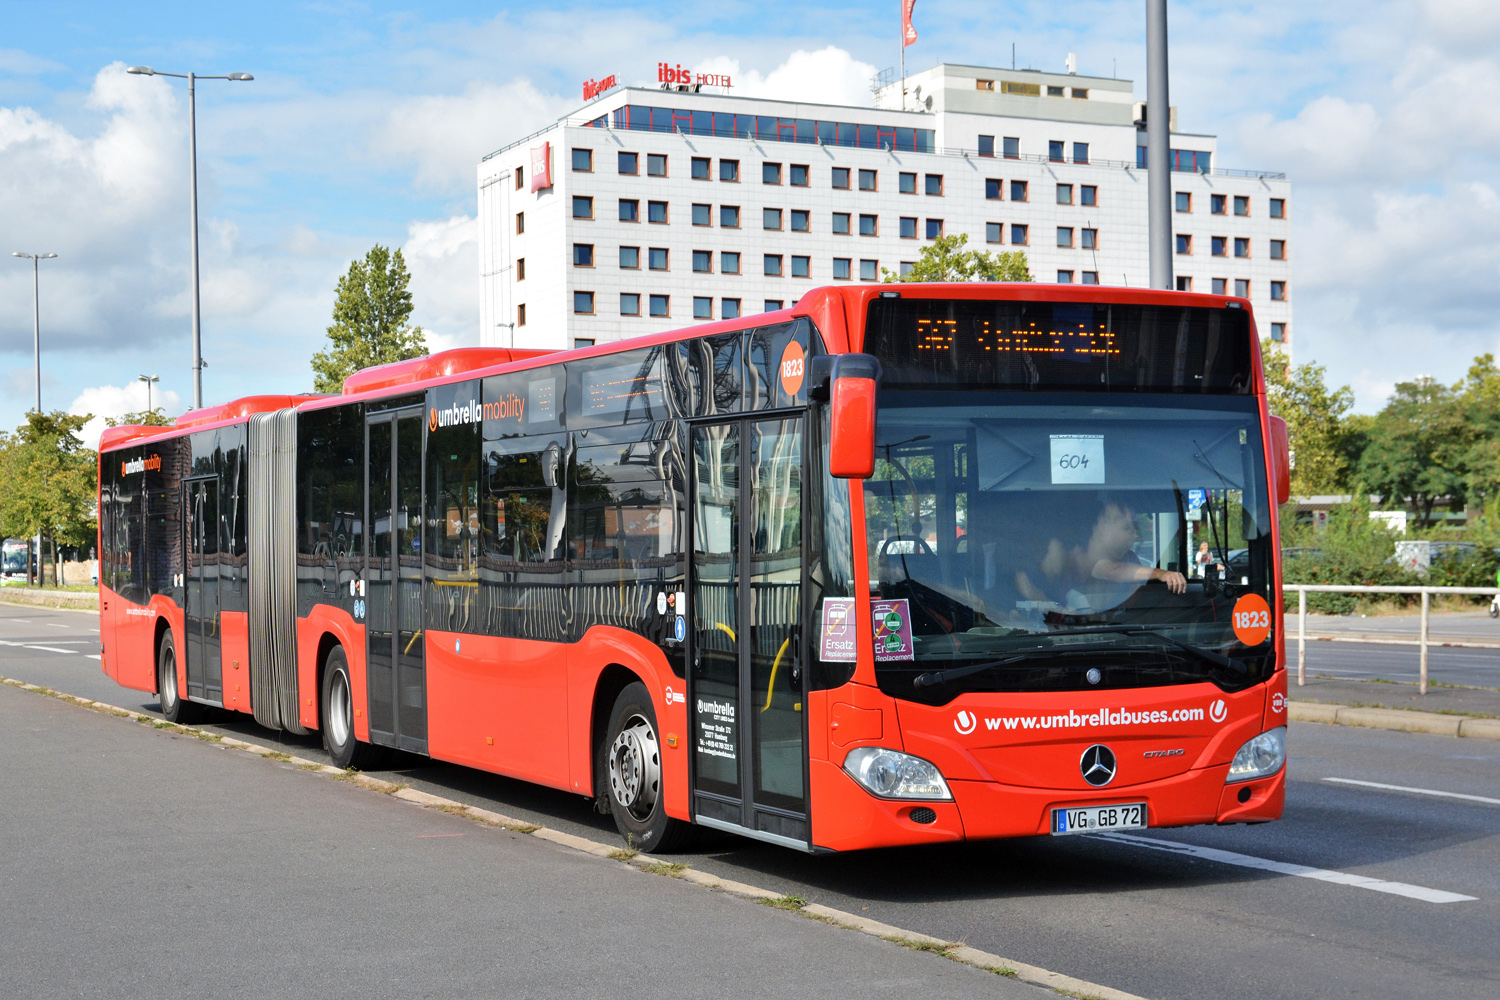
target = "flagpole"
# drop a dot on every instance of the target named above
(901, 29)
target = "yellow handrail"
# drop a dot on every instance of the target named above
(725, 628)
(771, 687)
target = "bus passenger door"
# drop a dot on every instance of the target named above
(748, 729)
(395, 664)
(201, 591)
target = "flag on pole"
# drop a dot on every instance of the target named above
(908, 33)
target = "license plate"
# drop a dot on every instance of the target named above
(1092, 819)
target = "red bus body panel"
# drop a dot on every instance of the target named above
(234, 657)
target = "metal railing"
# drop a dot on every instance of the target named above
(1303, 589)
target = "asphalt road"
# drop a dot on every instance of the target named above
(1377, 661)
(1168, 915)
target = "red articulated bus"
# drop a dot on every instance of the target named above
(902, 564)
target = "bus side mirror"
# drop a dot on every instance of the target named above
(1281, 454)
(851, 446)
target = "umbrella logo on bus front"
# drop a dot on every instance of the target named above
(965, 723)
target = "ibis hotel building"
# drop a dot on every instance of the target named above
(652, 209)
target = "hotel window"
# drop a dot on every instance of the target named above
(841, 178)
(1218, 204)
(1220, 286)
(994, 232)
(1184, 284)
(799, 175)
(1054, 91)
(908, 228)
(1012, 148)
(869, 270)
(1184, 201)
(841, 223)
(1088, 239)
(520, 268)
(656, 211)
(1241, 204)
(867, 226)
(933, 184)
(1218, 246)
(770, 218)
(1055, 148)
(907, 266)
(583, 303)
(770, 173)
(729, 262)
(1241, 246)
(630, 258)
(841, 268)
(703, 307)
(993, 189)
(1018, 235)
(729, 170)
(661, 305)
(1242, 288)
(701, 166)
(1278, 291)
(1080, 149)
(1090, 278)
(987, 142)
(1065, 236)
(772, 305)
(521, 314)
(703, 215)
(729, 216)
(1018, 191)
(801, 220)
(867, 180)
(520, 178)
(1065, 194)
(583, 160)
(630, 304)
(583, 208)
(906, 183)
(629, 163)
(703, 261)
(729, 308)
(520, 223)
(1088, 194)
(1278, 249)
(1064, 277)
(656, 259)
(772, 266)
(934, 228)
(1184, 244)
(1278, 208)
(630, 210)
(1278, 332)
(1079, 93)
(801, 267)
(656, 164)
(582, 342)
(985, 85)
(583, 255)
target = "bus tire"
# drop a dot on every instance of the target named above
(338, 716)
(628, 775)
(174, 707)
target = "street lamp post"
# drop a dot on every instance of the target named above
(192, 79)
(148, 379)
(36, 347)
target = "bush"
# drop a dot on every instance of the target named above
(1353, 550)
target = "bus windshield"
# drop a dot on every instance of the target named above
(14, 558)
(1016, 527)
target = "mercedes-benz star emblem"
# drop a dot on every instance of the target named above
(1098, 765)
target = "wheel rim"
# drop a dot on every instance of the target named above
(635, 768)
(340, 720)
(169, 683)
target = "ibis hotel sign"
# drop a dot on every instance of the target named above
(667, 73)
(593, 88)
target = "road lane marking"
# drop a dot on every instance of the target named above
(1283, 868)
(1416, 791)
(49, 649)
(56, 625)
(24, 621)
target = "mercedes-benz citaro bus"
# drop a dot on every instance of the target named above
(901, 564)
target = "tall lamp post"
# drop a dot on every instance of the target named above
(192, 79)
(148, 379)
(36, 346)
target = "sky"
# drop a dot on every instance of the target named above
(365, 122)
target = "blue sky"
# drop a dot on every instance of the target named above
(365, 121)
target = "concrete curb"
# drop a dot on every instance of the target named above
(1394, 719)
(78, 608)
(955, 951)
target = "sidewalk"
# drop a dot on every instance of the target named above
(1379, 694)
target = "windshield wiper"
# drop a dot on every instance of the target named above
(1202, 652)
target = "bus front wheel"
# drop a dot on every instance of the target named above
(628, 775)
(174, 707)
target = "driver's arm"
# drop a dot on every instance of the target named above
(1120, 572)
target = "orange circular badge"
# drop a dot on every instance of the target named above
(793, 368)
(1252, 619)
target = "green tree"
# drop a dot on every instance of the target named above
(1415, 447)
(1316, 422)
(370, 318)
(947, 259)
(1477, 454)
(153, 417)
(48, 480)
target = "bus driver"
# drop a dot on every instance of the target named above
(1108, 557)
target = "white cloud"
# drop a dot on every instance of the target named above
(828, 76)
(115, 401)
(442, 258)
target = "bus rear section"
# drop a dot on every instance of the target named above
(1069, 542)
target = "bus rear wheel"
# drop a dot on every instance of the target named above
(174, 707)
(628, 775)
(338, 716)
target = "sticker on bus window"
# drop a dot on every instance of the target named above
(1252, 619)
(838, 630)
(1077, 458)
(892, 621)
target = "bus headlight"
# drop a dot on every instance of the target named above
(1260, 757)
(892, 774)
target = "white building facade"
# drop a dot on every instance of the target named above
(651, 210)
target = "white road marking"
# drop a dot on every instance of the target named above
(1415, 791)
(1283, 868)
(56, 625)
(93, 656)
(48, 649)
(24, 621)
